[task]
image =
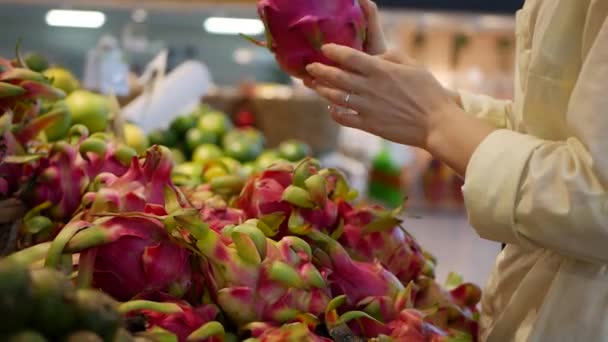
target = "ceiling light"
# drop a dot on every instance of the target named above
(218, 25)
(81, 19)
(139, 15)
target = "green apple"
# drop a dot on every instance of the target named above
(89, 109)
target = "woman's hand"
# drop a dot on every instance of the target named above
(399, 101)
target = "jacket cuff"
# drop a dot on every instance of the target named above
(492, 182)
(487, 108)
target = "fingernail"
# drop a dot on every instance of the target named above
(311, 68)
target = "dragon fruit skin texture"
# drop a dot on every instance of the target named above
(357, 280)
(183, 323)
(265, 332)
(258, 279)
(147, 183)
(135, 255)
(263, 196)
(393, 247)
(296, 30)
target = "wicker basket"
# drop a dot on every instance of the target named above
(11, 213)
(297, 117)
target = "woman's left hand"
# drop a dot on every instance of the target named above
(400, 101)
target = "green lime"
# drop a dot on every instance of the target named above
(249, 169)
(89, 109)
(62, 79)
(242, 150)
(196, 137)
(268, 158)
(294, 150)
(206, 152)
(60, 128)
(162, 137)
(182, 124)
(36, 62)
(215, 122)
(254, 136)
(187, 173)
(136, 138)
(178, 156)
(231, 164)
(214, 172)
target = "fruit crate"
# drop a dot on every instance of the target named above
(282, 114)
(299, 117)
(11, 213)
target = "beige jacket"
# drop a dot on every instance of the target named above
(541, 183)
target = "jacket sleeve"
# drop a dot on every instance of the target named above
(523, 190)
(499, 113)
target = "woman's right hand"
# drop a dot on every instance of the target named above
(375, 43)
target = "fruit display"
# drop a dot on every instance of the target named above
(120, 242)
(205, 144)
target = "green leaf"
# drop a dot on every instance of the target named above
(22, 159)
(453, 281)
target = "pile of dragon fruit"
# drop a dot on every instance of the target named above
(111, 250)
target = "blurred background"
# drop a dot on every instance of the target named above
(466, 44)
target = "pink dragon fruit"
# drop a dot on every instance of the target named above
(456, 307)
(296, 30)
(296, 199)
(187, 323)
(102, 155)
(131, 254)
(56, 180)
(372, 233)
(146, 184)
(19, 84)
(265, 332)
(257, 279)
(216, 213)
(357, 280)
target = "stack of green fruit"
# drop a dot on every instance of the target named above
(206, 145)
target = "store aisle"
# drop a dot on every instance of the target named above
(456, 245)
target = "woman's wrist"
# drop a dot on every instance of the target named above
(454, 136)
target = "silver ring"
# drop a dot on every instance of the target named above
(347, 98)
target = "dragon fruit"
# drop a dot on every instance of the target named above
(357, 280)
(295, 30)
(296, 198)
(456, 308)
(216, 213)
(100, 154)
(257, 279)
(147, 183)
(265, 332)
(57, 181)
(372, 233)
(188, 323)
(131, 254)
